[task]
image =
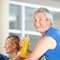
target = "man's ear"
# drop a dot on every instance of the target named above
(50, 22)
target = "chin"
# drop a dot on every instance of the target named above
(7, 52)
(38, 30)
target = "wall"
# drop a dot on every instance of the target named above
(4, 25)
(51, 3)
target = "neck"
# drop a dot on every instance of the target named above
(43, 33)
(14, 53)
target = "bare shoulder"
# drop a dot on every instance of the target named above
(49, 41)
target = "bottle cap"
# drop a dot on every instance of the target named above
(27, 36)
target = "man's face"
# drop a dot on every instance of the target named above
(40, 22)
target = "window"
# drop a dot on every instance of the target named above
(29, 12)
(15, 17)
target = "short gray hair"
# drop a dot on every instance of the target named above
(46, 12)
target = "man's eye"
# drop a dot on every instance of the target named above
(35, 20)
(40, 19)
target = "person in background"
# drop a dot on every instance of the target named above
(49, 44)
(12, 46)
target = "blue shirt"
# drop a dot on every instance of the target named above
(3, 57)
(55, 53)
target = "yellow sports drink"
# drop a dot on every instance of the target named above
(24, 49)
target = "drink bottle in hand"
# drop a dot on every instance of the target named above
(24, 49)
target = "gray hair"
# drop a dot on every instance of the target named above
(46, 12)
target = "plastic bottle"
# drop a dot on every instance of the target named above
(24, 49)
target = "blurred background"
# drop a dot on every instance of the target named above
(16, 17)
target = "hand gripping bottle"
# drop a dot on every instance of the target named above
(24, 49)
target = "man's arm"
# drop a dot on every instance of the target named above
(42, 46)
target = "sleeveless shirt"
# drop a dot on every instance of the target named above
(53, 54)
